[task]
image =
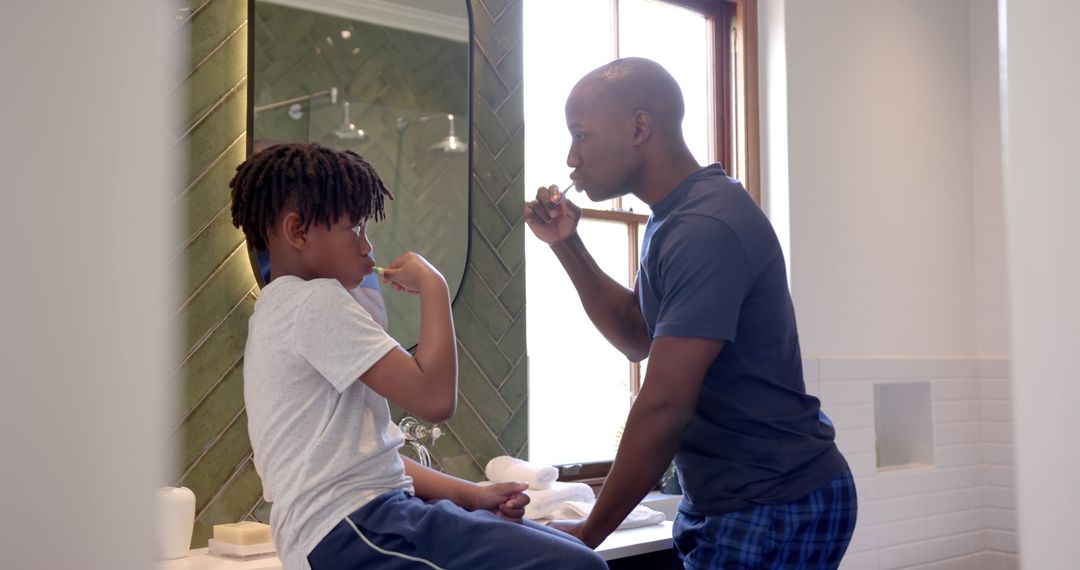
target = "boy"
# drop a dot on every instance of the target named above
(318, 372)
(367, 294)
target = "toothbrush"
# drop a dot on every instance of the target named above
(558, 197)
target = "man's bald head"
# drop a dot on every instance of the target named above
(625, 123)
(634, 84)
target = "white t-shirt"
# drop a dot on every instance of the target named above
(323, 440)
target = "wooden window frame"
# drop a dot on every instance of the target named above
(733, 95)
(732, 28)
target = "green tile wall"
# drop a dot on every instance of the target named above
(219, 288)
(384, 73)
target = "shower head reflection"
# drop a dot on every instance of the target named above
(451, 144)
(348, 131)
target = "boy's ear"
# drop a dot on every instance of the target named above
(292, 229)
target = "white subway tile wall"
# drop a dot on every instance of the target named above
(960, 512)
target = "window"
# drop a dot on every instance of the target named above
(580, 387)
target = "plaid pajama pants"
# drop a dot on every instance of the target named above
(808, 533)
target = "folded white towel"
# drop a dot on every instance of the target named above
(542, 502)
(578, 510)
(506, 468)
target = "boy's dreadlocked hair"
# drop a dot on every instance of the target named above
(321, 184)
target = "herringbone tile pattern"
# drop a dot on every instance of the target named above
(406, 75)
(492, 417)
(214, 458)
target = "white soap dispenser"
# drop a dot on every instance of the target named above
(175, 521)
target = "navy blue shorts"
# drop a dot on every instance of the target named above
(809, 533)
(398, 531)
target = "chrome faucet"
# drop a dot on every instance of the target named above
(415, 434)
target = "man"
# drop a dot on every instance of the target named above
(764, 485)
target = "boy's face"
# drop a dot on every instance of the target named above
(341, 252)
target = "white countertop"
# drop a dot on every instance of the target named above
(634, 541)
(199, 559)
(620, 544)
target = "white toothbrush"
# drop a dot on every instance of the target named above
(558, 197)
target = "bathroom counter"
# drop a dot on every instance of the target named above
(621, 544)
(634, 541)
(199, 559)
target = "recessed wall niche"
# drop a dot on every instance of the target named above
(903, 425)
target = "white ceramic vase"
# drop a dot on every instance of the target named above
(175, 521)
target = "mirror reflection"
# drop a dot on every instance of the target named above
(389, 81)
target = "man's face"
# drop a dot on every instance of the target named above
(601, 148)
(341, 252)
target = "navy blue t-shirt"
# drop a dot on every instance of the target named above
(712, 267)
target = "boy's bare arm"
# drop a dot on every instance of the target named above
(424, 384)
(431, 484)
(505, 499)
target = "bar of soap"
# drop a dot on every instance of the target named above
(242, 533)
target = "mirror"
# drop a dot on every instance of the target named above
(390, 81)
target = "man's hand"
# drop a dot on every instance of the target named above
(504, 499)
(577, 530)
(551, 222)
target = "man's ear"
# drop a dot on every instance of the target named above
(643, 126)
(292, 230)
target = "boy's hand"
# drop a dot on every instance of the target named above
(504, 499)
(411, 273)
(551, 222)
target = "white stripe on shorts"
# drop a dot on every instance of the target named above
(389, 552)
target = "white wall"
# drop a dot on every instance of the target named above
(956, 513)
(991, 291)
(1042, 191)
(772, 89)
(84, 293)
(887, 112)
(882, 228)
